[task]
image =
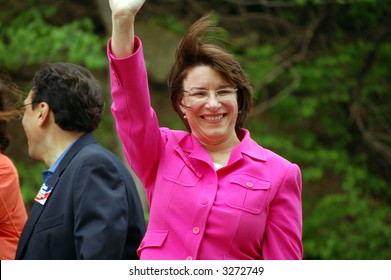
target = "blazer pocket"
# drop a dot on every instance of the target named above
(49, 223)
(247, 193)
(183, 176)
(153, 239)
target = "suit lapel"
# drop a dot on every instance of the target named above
(28, 228)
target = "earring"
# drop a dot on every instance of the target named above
(184, 117)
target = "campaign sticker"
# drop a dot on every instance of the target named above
(43, 194)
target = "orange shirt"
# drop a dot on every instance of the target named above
(13, 214)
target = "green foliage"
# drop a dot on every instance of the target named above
(343, 97)
(31, 179)
(348, 226)
(170, 22)
(324, 108)
(258, 63)
(30, 40)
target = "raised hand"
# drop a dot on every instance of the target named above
(125, 7)
(123, 16)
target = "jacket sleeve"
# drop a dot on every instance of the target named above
(100, 209)
(136, 121)
(283, 234)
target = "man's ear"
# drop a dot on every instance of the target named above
(43, 113)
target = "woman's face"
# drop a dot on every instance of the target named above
(209, 105)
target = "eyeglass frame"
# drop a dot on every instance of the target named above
(215, 92)
(22, 109)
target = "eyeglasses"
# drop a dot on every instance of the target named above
(201, 95)
(22, 109)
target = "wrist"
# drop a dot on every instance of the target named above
(123, 19)
(123, 15)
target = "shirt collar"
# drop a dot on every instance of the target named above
(47, 173)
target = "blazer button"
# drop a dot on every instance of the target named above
(196, 230)
(249, 184)
(204, 202)
(189, 258)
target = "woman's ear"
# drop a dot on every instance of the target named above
(183, 113)
(182, 108)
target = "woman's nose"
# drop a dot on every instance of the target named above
(213, 102)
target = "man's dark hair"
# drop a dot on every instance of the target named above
(72, 93)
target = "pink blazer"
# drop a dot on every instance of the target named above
(249, 209)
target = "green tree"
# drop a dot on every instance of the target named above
(320, 73)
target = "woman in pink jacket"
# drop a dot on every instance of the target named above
(213, 192)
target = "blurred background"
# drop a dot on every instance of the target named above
(321, 74)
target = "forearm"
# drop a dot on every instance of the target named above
(122, 43)
(123, 13)
(137, 123)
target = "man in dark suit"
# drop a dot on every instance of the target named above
(88, 206)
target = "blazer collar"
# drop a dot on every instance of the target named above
(80, 143)
(247, 146)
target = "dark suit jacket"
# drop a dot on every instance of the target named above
(93, 212)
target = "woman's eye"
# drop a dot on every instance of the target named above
(200, 93)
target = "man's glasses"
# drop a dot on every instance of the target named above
(22, 110)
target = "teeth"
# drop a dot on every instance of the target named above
(213, 118)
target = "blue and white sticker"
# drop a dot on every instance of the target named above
(43, 194)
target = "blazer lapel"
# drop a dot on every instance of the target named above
(28, 228)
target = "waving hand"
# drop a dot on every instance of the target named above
(123, 16)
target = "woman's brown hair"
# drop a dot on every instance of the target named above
(195, 49)
(7, 89)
